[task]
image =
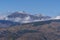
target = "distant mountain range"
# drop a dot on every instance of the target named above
(24, 17)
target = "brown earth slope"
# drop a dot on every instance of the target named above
(45, 30)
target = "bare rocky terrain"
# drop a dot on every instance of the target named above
(44, 30)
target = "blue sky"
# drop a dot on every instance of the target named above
(46, 7)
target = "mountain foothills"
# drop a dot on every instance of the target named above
(23, 26)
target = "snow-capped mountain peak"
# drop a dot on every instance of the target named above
(22, 16)
(25, 17)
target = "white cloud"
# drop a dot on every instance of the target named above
(58, 17)
(27, 18)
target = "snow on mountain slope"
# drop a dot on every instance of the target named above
(27, 18)
(23, 16)
(43, 16)
(55, 18)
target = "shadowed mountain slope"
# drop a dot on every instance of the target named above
(7, 23)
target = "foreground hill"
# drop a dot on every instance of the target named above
(42, 30)
(7, 23)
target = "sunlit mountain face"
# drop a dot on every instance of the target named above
(25, 17)
(22, 15)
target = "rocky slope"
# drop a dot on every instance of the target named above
(44, 30)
